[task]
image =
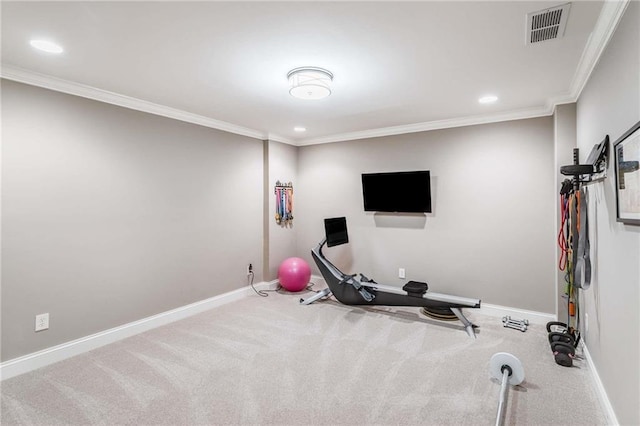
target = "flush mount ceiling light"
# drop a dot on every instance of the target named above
(489, 99)
(300, 129)
(309, 83)
(46, 46)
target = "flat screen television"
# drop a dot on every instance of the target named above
(398, 192)
(335, 230)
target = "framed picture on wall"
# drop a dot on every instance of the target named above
(627, 163)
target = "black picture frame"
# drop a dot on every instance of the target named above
(627, 163)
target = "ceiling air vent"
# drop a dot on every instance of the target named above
(547, 24)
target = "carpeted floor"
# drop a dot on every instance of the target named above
(272, 361)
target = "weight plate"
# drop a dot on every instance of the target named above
(500, 359)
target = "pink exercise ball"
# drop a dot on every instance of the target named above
(294, 274)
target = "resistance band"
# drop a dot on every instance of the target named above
(573, 241)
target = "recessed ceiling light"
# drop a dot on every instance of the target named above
(300, 129)
(309, 83)
(489, 99)
(46, 46)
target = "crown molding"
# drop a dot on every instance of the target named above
(281, 139)
(604, 29)
(565, 98)
(432, 125)
(606, 25)
(65, 86)
(59, 85)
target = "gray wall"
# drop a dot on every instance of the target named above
(111, 215)
(283, 167)
(492, 231)
(610, 104)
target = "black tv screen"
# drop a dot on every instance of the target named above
(399, 192)
(335, 230)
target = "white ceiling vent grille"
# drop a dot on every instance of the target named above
(547, 24)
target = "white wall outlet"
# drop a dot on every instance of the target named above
(586, 321)
(42, 322)
(401, 273)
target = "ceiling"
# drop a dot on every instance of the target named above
(398, 66)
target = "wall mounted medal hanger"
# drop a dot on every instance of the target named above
(284, 203)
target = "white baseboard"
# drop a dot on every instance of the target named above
(602, 393)
(533, 317)
(30, 362)
(35, 360)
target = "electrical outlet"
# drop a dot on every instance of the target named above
(401, 273)
(42, 322)
(586, 322)
(249, 269)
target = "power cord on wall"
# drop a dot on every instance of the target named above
(251, 275)
(261, 293)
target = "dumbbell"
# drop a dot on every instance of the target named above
(516, 324)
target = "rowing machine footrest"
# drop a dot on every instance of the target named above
(415, 288)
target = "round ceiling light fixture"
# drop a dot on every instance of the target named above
(309, 82)
(46, 46)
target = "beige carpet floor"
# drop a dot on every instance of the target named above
(272, 361)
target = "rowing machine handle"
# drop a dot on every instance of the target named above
(365, 279)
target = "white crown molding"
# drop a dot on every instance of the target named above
(35, 360)
(432, 125)
(565, 98)
(59, 85)
(277, 138)
(65, 86)
(608, 20)
(606, 25)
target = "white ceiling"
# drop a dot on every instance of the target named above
(398, 67)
